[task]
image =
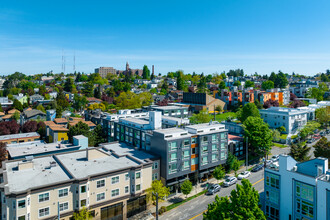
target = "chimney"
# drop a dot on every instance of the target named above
(155, 120)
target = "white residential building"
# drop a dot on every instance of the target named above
(297, 190)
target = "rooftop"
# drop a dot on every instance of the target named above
(58, 128)
(170, 107)
(20, 135)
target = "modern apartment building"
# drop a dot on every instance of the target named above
(291, 119)
(297, 190)
(107, 180)
(192, 152)
(300, 88)
(171, 110)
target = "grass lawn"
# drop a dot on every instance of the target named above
(279, 145)
(222, 117)
(184, 201)
(283, 136)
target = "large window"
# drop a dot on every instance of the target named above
(214, 147)
(138, 175)
(273, 196)
(43, 212)
(194, 161)
(172, 146)
(138, 187)
(223, 135)
(63, 206)
(21, 203)
(136, 205)
(83, 189)
(304, 200)
(223, 155)
(186, 154)
(115, 180)
(186, 143)
(114, 212)
(214, 157)
(273, 180)
(172, 168)
(193, 140)
(173, 157)
(43, 197)
(223, 146)
(204, 160)
(100, 183)
(214, 138)
(83, 202)
(272, 213)
(204, 149)
(155, 165)
(115, 192)
(154, 176)
(63, 192)
(126, 176)
(186, 165)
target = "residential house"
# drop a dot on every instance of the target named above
(21, 98)
(58, 133)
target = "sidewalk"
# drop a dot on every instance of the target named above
(196, 189)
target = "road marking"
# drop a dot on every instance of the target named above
(206, 209)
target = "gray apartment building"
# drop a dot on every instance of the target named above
(170, 110)
(191, 153)
(103, 71)
(110, 181)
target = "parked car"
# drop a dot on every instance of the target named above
(258, 167)
(327, 131)
(213, 189)
(230, 181)
(275, 158)
(322, 133)
(309, 141)
(244, 175)
(316, 136)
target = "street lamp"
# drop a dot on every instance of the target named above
(156, 194)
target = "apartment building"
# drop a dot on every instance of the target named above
(248, 96)
(300, 88)
(191, 153)
(111, 183)
(291, 119)
(19, 138)
(103, 71)
(171, 110)
(297, 190)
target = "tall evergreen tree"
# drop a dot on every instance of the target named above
(146, 72)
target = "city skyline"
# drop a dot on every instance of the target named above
(255, 36)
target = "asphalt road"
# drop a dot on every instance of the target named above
(194, 208)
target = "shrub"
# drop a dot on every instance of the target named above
(162, 210)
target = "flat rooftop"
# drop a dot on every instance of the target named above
(170, 107)
(284, 110)
(135, 120)
(170, 130)
(206, 125)
(20, 135)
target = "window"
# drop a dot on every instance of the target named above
(272, 196)
(63, 192)
(223, 146)
(214, 147)
(222, 135)
(83, 202)
(115, 192)
(204, 160)
(173, 157)
(204, 149)
(126, 189)
(155, 165)
(155, 176)
(64, 206)
(43, 212)
(100, 183)
(193, 150)
(186, 143)
(115, 180)
(43, 197)
(204, 139)
(305, 191)
(138, 175)
(100, 196)
(21, 203)
(214, 138)
(172, 168)
(138, 187)
(172, 146)
(21, 217)
(83, 189)
(186, 165)
(214, 157)
(194, 161)
(223, 156)
(126, 176)
(273, 180)
(193, 140)
(186, 154)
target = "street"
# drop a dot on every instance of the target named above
(194, 209)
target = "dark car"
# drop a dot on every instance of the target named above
(256, 168)
(213, 189)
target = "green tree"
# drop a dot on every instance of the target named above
(42, 90)
(41, 108)
(300, 152)
(258, 104)
(146, 72)
(267, 85)
(323, 116)
(157, 187)
(201, 85)
(236, 165)
(83, 214)
(230, 161)
(281, 81)
(218, 108)
(17, 105)
(222, 85)
(97, 92)
(322, 148)
(308, 129)
(16, 116)
(1, 110)
(61, 100)
(219, 172)
(99, 135)
(79, 129)
(249, 84)
(69, 85)
(180, 81)
(242, 204)
(315, 93)
(260, 136)
(186, 187)
(276, 135)
(250, 109)
(281, 129)
(88, 89)
(79, 102)
(201, 117)
(237, 83)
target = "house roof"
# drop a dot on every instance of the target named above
(33, 112)
(13, 111)
(93, 99)
(60, 120)
(58, 128)
(49, 123)
(89, 123)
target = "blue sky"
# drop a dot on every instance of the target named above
(202, 36)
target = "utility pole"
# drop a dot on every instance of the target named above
(247, 153)
(156, 194)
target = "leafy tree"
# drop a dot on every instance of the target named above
(218, 108)
(222, 85)
(309, 129)
(280, 80)
(146, 72)
(186, 187)
(99, 135)
(9, 127)
(29, 126)
(242, 204)
(41, 108)
(88, 89)
(281, 129)
(249, 84)
(267, 85)
(276, 135)
(41, 129)
(16, 116)
(322, 148)
(271, 103)
(219, 172)
(260, 136)
(157, 187)
(236, 165)
(59, 111)
(300, 152)
(97, 92)
(13, 80)
(201, 117)
(258, 104)
(1, 110)
(69, 85)
(237, 83)
(17, 105)
(130, 100)
(315, 93)
(83, 214)
(250, 109)
(79, 102)
(79, 129)
(236, 73)
(153, 90)
(3, 152)
(323, 116)
(61, 100)
(180, 81)
(201, 85)
(230, 161)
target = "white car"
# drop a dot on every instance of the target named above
(243, 175)
(230, 181)
(275, 158)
